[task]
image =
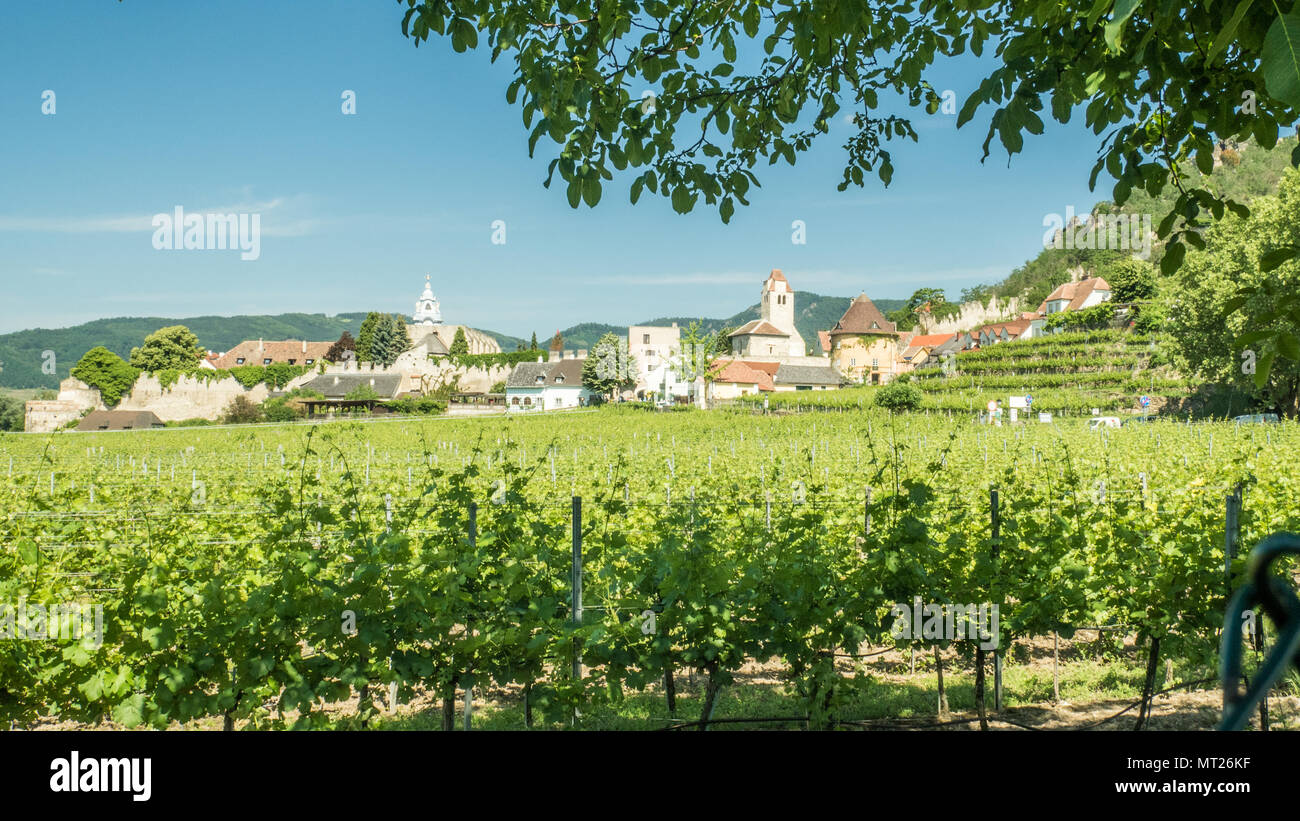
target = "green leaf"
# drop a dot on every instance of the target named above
(1280, 60)
(1289, 346)
(1278, 256)
(1123, 10)
(1224, 37)
(1173, 258)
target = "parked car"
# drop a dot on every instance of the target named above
(1139, 419)
(1099, 422)
(1257, 419)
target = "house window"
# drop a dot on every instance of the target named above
(293, 362)
(239, 361)
(514, 400)
(541, 380)
(853, 362)
(528, 400)
(311, 361)
(645, 339)
(875, 363)
(266, 361)
(559, 380)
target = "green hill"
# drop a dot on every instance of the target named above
(21, 352)
(1247, 172)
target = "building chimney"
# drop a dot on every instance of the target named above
(568, 354)
(304, 346)
(553, 356)
(539, 358)
(260, 346)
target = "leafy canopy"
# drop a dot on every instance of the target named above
(172, 347)
(101, 368)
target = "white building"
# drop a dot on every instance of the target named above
(551, 385)
(427, 311)
(773, 335)
(655, 349)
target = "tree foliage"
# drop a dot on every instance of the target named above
(172, 347)
(344, 343)
(101, 368)
(610, 367)
(1258, 347)
(459, 345)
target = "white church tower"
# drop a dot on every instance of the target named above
(427, 311)
(776, 306)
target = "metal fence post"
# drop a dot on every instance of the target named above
(996, 530)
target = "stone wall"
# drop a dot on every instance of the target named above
(189, 397)
(975, 314)
(75, 398)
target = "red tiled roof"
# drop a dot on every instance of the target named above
(824, 337)
(253, 351)
(746, 373)
(929, 340)
(863, 317)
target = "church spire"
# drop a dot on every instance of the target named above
(427, 311)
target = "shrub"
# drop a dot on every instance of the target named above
(899, 396)
(241, 410)
(280, 409)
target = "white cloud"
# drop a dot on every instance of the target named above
(275, 219)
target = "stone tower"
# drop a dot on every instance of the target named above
(777, 307)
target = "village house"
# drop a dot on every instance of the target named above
(548, 385)
(1076, 295)
(119, 420)
(864, 345)
(654, 349)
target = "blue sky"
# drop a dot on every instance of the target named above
(235, 106)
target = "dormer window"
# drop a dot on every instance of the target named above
(541, 380)
(559, 380)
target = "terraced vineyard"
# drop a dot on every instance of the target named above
(1072, 374)
(264, 577)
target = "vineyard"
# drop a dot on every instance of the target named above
(262, 577)
(1069, 374)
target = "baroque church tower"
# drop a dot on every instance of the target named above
(427, 311)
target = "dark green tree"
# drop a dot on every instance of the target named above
(366, 335)
(12, 414)
(459, 345)
(532, 346)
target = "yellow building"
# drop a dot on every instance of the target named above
(864, 345)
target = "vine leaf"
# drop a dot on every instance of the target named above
(1281, 60)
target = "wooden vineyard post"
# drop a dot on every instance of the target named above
(472, 532)
(575, 584)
